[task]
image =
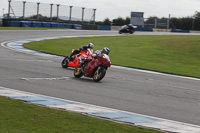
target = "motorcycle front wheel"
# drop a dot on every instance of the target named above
(78, 72)
(65, 62)
(99, 74)
(132, 31)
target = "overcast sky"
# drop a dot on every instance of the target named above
(121, 8)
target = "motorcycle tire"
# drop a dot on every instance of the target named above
(78, 72)
(65, 62)
(120, 32)
(132, 31)
(100, 75)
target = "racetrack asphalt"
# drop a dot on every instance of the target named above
(150, 94)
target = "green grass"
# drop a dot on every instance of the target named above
(170, 54)
(19, 117)
(26, 28)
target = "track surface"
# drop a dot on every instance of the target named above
(156, 95)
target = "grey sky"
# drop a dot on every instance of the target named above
(115, 8)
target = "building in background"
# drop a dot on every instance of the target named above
(137, 19)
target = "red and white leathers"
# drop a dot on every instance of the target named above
(86, 59)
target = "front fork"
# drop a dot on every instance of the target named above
(97, 71)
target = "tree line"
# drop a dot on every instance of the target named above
(184, 23)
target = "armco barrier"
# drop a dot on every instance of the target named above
(182, 31)
(77, 26)
(54, 25)
(63, 25)
(60, 25)
(70, 26)
(43, 24)
(14, 24)
(26, 23)
(37, 24)
(46, 24)
(89, 27)
(104, 27)
(144, 29)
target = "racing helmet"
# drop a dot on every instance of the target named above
(91, 45)
(105, 50)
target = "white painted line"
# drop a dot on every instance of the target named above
(80, 108)
(57, 78)
(152, 72)
(34, 60)
(172, 126)
(11, 93)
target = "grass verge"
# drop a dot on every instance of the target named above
(19, 117)
(177, 54)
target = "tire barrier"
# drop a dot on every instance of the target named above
(182, 31)
(14, 23)
(43, 24)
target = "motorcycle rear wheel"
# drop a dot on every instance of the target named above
(99, 75)
(78, 72)
(65, 62)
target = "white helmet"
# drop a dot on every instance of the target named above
(106, 50)
(91, 45)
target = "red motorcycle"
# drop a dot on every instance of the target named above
(95, 69)
(75, 59)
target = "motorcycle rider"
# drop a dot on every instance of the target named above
(127, 29)
(96, 54)
(105, 51)
(90, 46)
(129, 26)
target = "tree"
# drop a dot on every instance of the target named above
(120, 21)
(185, 23)
(127, 20)
(196, 21)
(151, 19)
(107, 21)
(197, 15)
(35, 17)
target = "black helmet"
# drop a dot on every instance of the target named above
(91, 45)
(106, 50)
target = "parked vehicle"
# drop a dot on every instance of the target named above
(127, 29)
(74, 60)
(95, 69)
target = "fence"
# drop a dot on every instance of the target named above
(50, 12)
(157, 23)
